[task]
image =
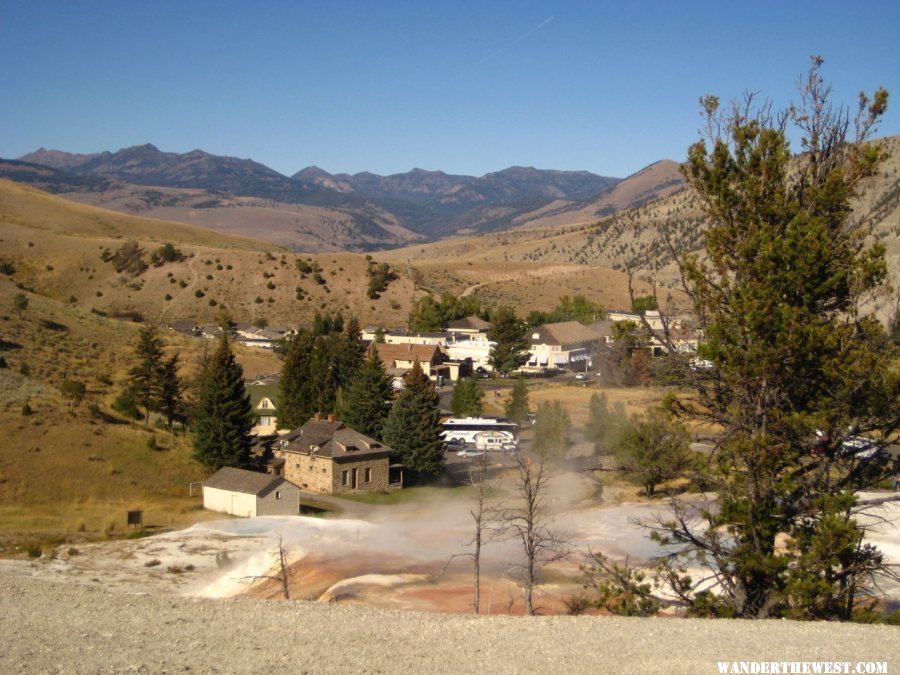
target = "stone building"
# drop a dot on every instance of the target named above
(325, 455)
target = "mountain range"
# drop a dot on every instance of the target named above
(313, 209)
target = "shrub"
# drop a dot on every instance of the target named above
(198, 293)
(126, 405)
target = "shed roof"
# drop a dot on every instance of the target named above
(245, 482)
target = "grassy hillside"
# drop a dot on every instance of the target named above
(77, 470)
(55, 247)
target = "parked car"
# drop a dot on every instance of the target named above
(581, 377)
(470, 453)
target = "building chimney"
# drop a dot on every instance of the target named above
(318, 417)
(332, 418)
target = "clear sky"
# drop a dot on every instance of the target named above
(385, 86)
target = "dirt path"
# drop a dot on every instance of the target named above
(192, 268)
(52, 628)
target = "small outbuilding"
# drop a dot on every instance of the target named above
(249, 494)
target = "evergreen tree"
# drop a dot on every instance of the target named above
(605, 425)
(171, 389)
(653, 448)
(781, 301)
(467, 398)
(296, 390)
(348, 352)
(146, 374)
(367, 401)
(551, 430)
(509, 333)
(318, 368)
(223, 417)
(413, 427)
(517, 407)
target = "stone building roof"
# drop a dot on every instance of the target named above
(332, 439)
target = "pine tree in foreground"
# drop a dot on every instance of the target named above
(802, 388)
(223, 415)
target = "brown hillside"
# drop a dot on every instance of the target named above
(56, 247)
(298, 227)
(656, 181)
(632, 239)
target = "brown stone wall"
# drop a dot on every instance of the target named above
(309, 472)
(322, 474)
(379, 475)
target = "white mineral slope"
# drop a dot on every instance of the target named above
(51, 627)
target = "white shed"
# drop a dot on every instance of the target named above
(248, 494)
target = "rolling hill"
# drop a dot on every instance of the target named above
(386, 210)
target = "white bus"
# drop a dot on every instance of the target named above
(486, 433)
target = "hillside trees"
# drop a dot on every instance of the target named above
(429, 315)
(380, 275)
(223, 417)
(129, 257)
(74, 391)
(509, 333)
(577, 308)
(154, 383)
(146, 375)
(413, 427)
(20, 303)
(780, 301)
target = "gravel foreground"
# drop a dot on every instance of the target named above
(51, 627)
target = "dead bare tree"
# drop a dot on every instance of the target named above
(484, 516)
(285, 571)
(528, 522)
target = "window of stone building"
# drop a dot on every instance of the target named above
(368, 475)
(345, 477)
(277, 494)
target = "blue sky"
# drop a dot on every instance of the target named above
(383, 86)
